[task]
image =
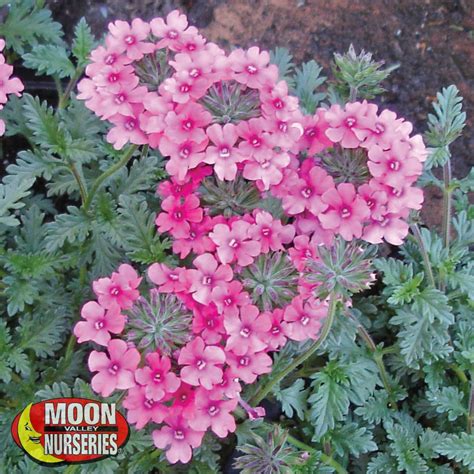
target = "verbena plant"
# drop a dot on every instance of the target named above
(386, 383)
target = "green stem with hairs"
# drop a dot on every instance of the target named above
(447, 203)
(106, 174)
(324, 457)
(64, 98)
(424, 254)
(470, 416)
(279, 376)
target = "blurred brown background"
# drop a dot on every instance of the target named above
(433, 40)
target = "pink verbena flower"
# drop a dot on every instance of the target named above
(130, 38)
(266, 169)
(177, 437)
(229, 298)
(126, 129)
(115, 371)
(157, 378)
(302, 319)
(183, 401)
(391, 227)
(183, 156)
(8, 84)
(344, 124)
(346, 212)
(208, 323)
(142, 409)
(170, 31)
(211, 412)
(394, 167)
(249, 366)
(224, 156)
(169, 280)
(206, 276)
(98, 323)
(270, 232)
(201, 363)
(305, 192)
(247, 332)
(250, 66)
(197, 241)
(275, 336)
(178, 214)
(234, 243)
(120, 289)
(187, 122)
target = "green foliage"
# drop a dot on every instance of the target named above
(28, 24)
(50, 59)
(445, 125)
(358, 75)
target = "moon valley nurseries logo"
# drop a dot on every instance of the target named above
(70, 430)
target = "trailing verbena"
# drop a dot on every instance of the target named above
(231, 248)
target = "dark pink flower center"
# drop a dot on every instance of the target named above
(283, 127)
(245, 332)
(188, 124)
(129, 39)
(157, 377)
(370, 203)
(207, 280)
(304, 320)
(306, 192)
(224, 152)
(266, 231)
(120, 99)
(228, 301)
(194, 73)
(185, 151)
(265, 164)
(113, 77)
(210, 323)
(110, 59)
(173, 276)
(345, 212)
(114, 290)
(178, 434)
(99, 325)
(172, 34)
(130, 124)
(310, 132)
(394, 165)
(350, 121)
(234, 243)
(178, 215)
(213, 410)
(278, 103)
(200, 364)
(308, 253)
(379, 128)
(275, 330)
(251, 69)
(184, 88)
(244, 361)
(192, 235)
(149, 403)
(113, 369)
(255, 142)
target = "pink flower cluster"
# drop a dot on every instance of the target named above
(8, 84)
(222, 119)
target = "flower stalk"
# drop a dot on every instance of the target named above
(279, 376)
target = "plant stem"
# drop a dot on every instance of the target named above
(106, 174)
(82, 188)
(459, 373)
(324, 457)
(276, 378)
(63, 100)
(447, 203)
(424, 253)
(377, 355)
(470, 417)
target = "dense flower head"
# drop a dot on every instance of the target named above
(259, 204)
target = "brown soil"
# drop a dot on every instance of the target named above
(433, 40)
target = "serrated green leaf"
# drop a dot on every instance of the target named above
(293, 399)
(448, 400)
(50, 59)
(83, 42)
(11, 195)
(459, 447)
(352, 438)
